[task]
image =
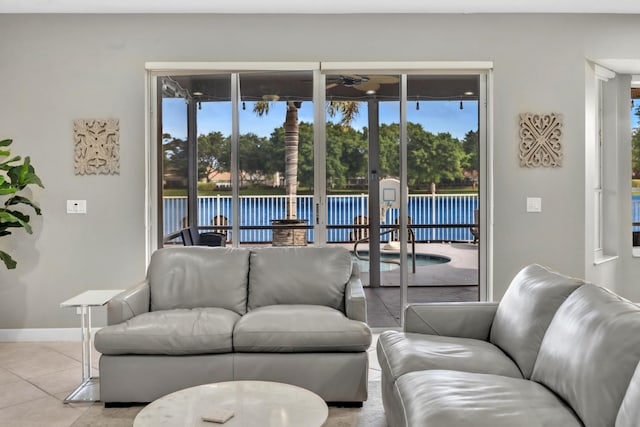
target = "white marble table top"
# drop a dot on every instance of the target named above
(254, 403)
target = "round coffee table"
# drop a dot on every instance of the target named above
(254, 403)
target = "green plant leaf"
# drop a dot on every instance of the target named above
(30, 176)
(18, 176)
(16, 200)
(15, 219)
(6, 165)
(5, 187)
(23, 175)
(8, 261)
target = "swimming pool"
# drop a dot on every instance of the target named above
(421, 260)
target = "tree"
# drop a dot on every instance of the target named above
(258, 156)
(346, 154)
(432, 158)
(635, 148)
(305, 155)
(15, 176)
(212, 149)
(175, 162)
(471, 162)
(291, 150)
(347, 109)
(389, 137)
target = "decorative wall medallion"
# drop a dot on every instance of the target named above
(97, 146)
(540, 140)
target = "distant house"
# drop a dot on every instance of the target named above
(223, 179)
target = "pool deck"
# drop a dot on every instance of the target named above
(455, 281)
(461, 270)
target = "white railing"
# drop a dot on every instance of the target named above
(259, 211)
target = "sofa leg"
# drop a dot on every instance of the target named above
(346, 404)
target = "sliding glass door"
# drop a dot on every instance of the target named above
(388, 165)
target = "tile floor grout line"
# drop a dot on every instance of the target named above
(32, 383)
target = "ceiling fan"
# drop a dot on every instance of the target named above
(369, 83)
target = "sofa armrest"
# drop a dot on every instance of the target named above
(452, 319)
(355, 302)
(128, 304)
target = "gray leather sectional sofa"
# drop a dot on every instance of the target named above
(555, 351)
(203, 315)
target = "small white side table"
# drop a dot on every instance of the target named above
(88, 390)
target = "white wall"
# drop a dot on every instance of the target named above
(59, 68)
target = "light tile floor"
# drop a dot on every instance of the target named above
(36, 377)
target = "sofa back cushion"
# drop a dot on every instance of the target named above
(590, 352)
(526, 310)
(308, 275)
(195, 276)
(629, 413)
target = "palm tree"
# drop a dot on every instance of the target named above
(347, 109)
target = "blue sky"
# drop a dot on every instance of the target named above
(435, 116)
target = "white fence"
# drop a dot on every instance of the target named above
(454, 212)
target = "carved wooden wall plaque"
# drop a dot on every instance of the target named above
(97, 146)
(540, 140)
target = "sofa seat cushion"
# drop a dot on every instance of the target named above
(402, 352)
(299, 328)
(170, 332)
(441, 398)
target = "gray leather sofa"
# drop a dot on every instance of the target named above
(555, 351)
(203, 315)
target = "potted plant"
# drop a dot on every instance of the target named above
(15, 175)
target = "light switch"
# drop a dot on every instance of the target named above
(534, 204)
(76, 206)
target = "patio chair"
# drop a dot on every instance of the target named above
(359, 233)
(220, 220)
(185, 233)
(192, 237)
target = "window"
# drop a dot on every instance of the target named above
(635, 163)
(604, 166)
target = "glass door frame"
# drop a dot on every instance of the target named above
(484, 70)
(402, 69)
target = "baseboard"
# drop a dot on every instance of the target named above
(42, 334)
